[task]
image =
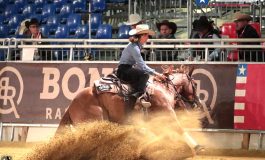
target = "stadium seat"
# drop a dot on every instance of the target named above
(79, 7)
(52, 23)
(45, 30)
(15, 20)
(31, 1)
(118, 1)
(96, 20)
(66, 10)
(10, 10)
(48, 9)
(39, 5)
(123, 32)
(28, 10)
(1, 19)
(3, 31)
(98, 5)
(82, 32)
(104, 31)
(229, 29)
(20, 5)
(74, 20)
(2, 55)
(10, 1)
(61, 32)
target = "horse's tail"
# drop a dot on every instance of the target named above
(64, 123)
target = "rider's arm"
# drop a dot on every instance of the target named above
(139, 59)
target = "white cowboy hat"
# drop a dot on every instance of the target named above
(141, 29)
(133, 19)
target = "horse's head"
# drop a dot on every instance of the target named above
(184, 85)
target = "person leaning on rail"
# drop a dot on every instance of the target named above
(132, 68)
(205, 30)
(166, 30)
(35, 33)
(245, 30)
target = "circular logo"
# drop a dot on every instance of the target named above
(9, 92)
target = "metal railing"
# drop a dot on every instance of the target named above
(226, 50)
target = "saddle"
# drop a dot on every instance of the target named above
(112, 84)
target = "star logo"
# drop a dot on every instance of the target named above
(242, 70)
(202, 1)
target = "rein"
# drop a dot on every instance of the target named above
(178, 95)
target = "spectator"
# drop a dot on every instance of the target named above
(34, 33)
(166, 30)
(134, 20)
(206, 31)
(245, 30)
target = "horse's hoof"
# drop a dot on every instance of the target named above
(199, 149)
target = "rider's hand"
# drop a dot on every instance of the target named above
(161, 77)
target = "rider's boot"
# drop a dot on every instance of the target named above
(142, 99)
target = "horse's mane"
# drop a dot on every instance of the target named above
(167, 70)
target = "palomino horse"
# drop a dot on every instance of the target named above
(164, 96)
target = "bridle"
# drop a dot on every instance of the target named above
(179, 97)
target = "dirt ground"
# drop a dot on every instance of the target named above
(108, 141)
(19, 150)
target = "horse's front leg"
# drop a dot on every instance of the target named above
(187, 137)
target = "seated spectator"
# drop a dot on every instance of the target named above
(206, 31)
(34, 33)
(134, 20)
(166, 30)
(245, 30)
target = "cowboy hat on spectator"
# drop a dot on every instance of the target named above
(171, 25)
(242, 17)
(33, 21)
(141, 29)
(202, 24)
(133, 19)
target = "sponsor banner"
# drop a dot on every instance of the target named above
(40, 93)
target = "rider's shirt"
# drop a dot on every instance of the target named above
(131, 55)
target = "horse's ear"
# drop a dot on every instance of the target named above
(171, 69)
(191, 69)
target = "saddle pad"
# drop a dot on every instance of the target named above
(102, 87)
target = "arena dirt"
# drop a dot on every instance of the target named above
(152, 140)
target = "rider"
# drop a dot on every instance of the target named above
(132, 68)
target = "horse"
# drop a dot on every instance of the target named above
(178, 90)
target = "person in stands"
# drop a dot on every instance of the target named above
(205, 30)
(34, 32)
(134, 20)
(245, 30)
(166, 30)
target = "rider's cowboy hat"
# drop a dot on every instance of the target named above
(33, 21)
(133, 19)
(242, 17)
(171, 25)
(141, 29)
